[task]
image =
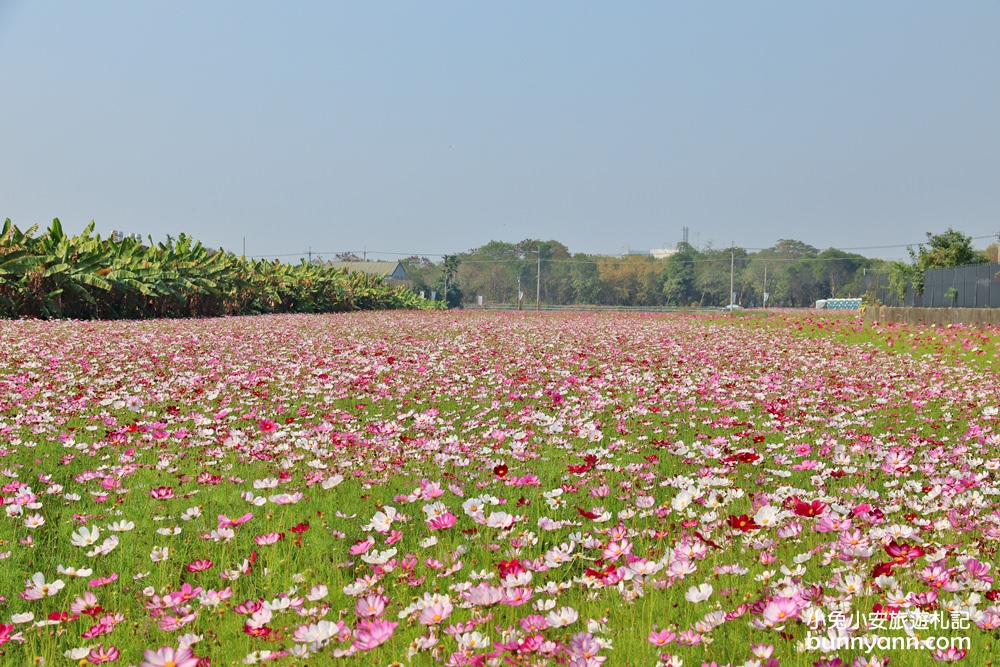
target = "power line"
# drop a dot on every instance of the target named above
(601, 257)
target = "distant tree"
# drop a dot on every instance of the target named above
(585, 279)
(799, 283)
(794, 248)
(422, 273)
(679, 276)
(446, 285)
(837, 269)
(992, 252)
(950, 248)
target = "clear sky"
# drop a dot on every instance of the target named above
(433, 126)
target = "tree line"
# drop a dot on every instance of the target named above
(790, 273)
(55, 275)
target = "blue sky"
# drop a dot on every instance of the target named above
(435, 127)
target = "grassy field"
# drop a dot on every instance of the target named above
(498, 488)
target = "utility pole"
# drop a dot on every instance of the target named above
(732, 265)
(538, 279)
(765, 285)
(244, 247)
(519, 292)
(310, 253)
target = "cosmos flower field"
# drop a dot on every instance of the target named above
(488, 489)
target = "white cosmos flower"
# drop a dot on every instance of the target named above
(73, 572)
(84, 536)
(382, 520)
(682, 500)
(34, 521)
(562, 617)
(502, 520)
(767, 516)
(473, 640)
(159, 554)
(121, 526)
(376, 557)
(40, 588)
(331, 482)
(699, 593)
(316, 632)
(317, 592)
(106, 547)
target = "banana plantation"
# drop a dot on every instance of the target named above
(53, 275)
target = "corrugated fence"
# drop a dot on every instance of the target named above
(938, 316)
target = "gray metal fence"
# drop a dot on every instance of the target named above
(970, 286)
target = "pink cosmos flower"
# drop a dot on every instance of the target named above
(442, 522)
(226, 522)
(435, 613)
(249, 607)
(167, 656)
(779, 610)
(86, 603)
(5, 633)
(267, 426)
(369, 634)
(101, 628)
(102, 581)
(952, 654)
(534, 623)
(267, 538)
(199, 565)
(161, 493)
(100, 654)
(661, 638)
(371, 605)
(361, 546)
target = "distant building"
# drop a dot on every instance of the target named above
(393, 271)
(662, 253)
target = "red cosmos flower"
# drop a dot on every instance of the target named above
(742, 457)
(902, 553)
(587, 514)
(267, 426)
(885, 609)
(815, 508)
(199, 565)
(62, 616)
(300, 528)
(500, 470)
(578, 469)
(511, 566)
(882, 568)
(742, 523)
(262, 631)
